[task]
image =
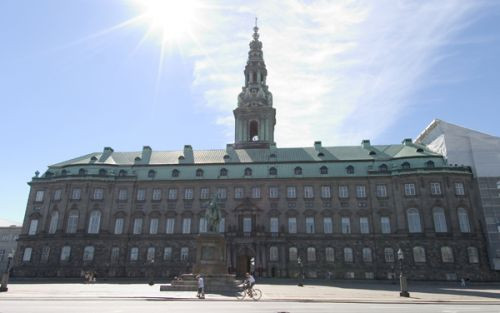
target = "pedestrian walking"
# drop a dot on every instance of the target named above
(201, 287)
(462, 282)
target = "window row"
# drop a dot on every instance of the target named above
(273, 192)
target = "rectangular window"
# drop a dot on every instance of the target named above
(292, 254)
(115, 254)
(33, 227)
(57, 195)
(188, 194)
(203, 225)
(137, 226)
(310, 225)
(274, 192)
(167, 254)
(184, 253)
(327, 225)
(98, 194)
(186, 225)
(291, 192)
(141, 194)
(389, 255)
(273, 254)
(221, 193)
(172, 194)
(119, 226)
(343, 192)
(247, 224)
(360, 191)
(326, 192)
(364, 226)
(150, 255)
(88, 253)
(330, 254)
(76, 194)
(222, 225)
(239, 192)
(459, 189)
(153, 226)
(273, 224)
(292, 225)
(65, 253)
(385, 225)
(156, 194)
(348, 255)
(169, 228)
(381, 191)
(204, 193)
(311, 254)
(39, 196)
(45, 255)
(367, 255)
(123, 194)
(27, 254)
(410, 190)
(435, 188)
(134, 254)
(255, 192)
(346, 225)
(308, 192)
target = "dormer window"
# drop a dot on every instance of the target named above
(64, 172)
(175, 173)
(298, 170)
(321, 154)
(273, 171)
(94, 158)
(272, 156)
(349, 169)
(103, 172)
(430, 164)
(406, 166)
(372, 153)
(248, 171)
(122, 173)
(420, 150)
(151, 173)
(223, 172)
(383, 168)
(323, 170)
(82, 172)
(226, 157)
(199, 172)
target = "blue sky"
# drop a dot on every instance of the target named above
(76, 76)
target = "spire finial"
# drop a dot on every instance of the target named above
(255, 31)
(256, 21)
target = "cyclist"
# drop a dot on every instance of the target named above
(249, 282)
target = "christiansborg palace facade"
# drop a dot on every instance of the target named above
(341, 210)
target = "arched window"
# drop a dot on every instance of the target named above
(94, 222)
(463, 220)
(447, 255)
(311, 254)
(372, 153)
(254, 131)
(82, 172)
(405, 166)
(103, 172)
(122, 173)
(72, 225)
(54, 220)
(419, 254)
(248, 171)
(330, 254)
(199, 172)
(64, 172)
(273, 254)
(349, 169)
(439, 220)
(175, 173)
(429, 164)
(367, 255)
(292, 254)
(273, 171)
(151, 173)
(298, 170)
(223, 172)
(323, 170)
(383, 168)
(413, 217)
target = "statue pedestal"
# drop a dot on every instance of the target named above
(210, 264)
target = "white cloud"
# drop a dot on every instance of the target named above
(339, 71)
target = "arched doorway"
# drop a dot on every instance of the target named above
(244, 259)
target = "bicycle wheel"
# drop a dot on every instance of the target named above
(256, 294)
(241, 294)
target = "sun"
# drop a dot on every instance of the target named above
(174, 21)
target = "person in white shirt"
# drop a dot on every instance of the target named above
(249, 281)
(201, 287)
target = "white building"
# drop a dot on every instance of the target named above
(463, 146)
(9, 232)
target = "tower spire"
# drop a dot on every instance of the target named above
(255, 116)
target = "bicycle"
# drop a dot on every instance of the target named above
(253, 293)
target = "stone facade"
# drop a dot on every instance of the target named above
(8, 244)
(344, 211)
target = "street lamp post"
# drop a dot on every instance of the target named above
(402, 279)
(301, 274)
(5, 275)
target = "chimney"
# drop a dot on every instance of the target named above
(407, 142)
(146, 154)
(106, 153)
(365, 143)
(317, 145)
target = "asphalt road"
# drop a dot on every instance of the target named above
(142, 306)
